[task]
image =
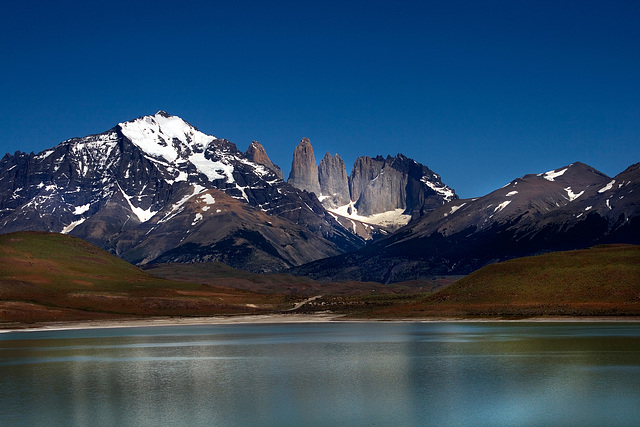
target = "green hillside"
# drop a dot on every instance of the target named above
(603, 280)
(60, 262)
(48, 276)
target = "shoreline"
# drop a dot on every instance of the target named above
(283, 319)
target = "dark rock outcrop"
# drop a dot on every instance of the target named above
(304, 169)
(257, 154)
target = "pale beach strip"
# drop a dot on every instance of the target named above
(288, 318)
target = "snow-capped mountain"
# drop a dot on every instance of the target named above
(134, 182)
(571, 207)
(525, 198)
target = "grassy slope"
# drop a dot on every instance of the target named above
(216, 273)
(603, 280)
(46, 276)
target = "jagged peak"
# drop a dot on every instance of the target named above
(304, 169)
(328, 156)
(162, 134)
(160, 117)
(163, 113)
(256, 150)
(257, 153)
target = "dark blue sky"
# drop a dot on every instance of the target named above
(480, 91)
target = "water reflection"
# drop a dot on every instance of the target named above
(324, 374)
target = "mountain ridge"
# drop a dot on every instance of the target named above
(572, 207)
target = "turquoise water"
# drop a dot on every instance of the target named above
(383, 374)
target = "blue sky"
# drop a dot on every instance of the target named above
(482, 92)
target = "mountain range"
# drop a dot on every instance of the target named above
(155, 189)
(571, 207)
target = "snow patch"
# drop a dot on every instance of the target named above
(43, 155)
(197, 219)
(208, 199)
(70, 227)
(552, 175)
(501, 206)
(511, 193)
(607, 187)
(572, 195)
(588, 208)
(395, 217)
(79, 210)
(143, 215)
(212, 170)
(440, 189)
(260, 170)
(454, 209)
(182, 176)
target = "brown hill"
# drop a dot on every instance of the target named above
(603, 280)
(48, 276)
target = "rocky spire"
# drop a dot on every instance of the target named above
(257, 154)
(304, 170)
(334, 183)
(365, 169)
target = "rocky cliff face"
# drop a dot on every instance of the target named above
(304, 169)
(385, 192)
(365, 169)
(384, 184)
(334, 183)
(381, 195)
(257, 154)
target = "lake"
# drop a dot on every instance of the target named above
(324, 374)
